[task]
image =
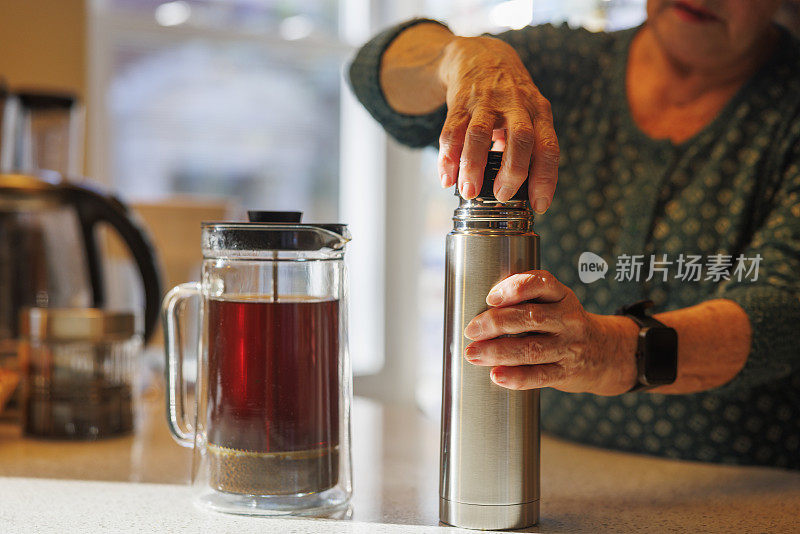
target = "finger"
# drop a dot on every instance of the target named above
(476, 150)
(517, 157)
(544, 170)
(451, 143)
(511, 351)
(529, 376)
(537, 285)
(520, 319)
(499, 140)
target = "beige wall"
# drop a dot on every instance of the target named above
(43, 44)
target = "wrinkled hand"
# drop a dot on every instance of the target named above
(561, 345)
(491, 98)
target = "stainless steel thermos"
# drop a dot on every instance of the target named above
(489, 463)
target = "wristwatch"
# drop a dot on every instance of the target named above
(656, 350)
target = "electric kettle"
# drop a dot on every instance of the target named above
(50, 255)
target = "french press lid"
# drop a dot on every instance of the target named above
(274, 230)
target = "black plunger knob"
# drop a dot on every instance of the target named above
(274, 216)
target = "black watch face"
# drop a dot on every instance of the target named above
(661, 356)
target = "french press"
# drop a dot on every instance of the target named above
(270, 424)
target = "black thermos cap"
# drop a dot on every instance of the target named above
(490, 173)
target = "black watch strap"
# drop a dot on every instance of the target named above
(638, 313)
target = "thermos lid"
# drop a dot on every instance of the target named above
(490, 173)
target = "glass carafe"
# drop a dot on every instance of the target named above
(271, 420)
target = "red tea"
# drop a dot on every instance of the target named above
(273, 371)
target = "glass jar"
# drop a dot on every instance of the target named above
(79, 367)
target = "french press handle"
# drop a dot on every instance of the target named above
(178, 419)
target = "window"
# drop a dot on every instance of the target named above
(225, 98)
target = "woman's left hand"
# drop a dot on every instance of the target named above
(549, 340)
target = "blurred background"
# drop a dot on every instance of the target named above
(200, 109)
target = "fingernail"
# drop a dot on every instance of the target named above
(498, 377)
(472, 353)
(504, 193)
(540, 206)
(445, 180)
(467, 190)
(473, 330)
(494, 297)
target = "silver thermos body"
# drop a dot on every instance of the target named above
(489, 458)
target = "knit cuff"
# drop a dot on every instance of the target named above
(775, 348)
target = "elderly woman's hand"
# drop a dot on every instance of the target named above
(491, 97)
(537, 334)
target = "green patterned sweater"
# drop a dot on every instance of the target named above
(717, 216)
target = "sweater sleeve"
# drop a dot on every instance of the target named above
(772, 298)
(555, 56)
(562, 61)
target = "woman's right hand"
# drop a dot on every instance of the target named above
(490, 98)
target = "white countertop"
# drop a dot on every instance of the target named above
(139, 484)
(65, 506)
